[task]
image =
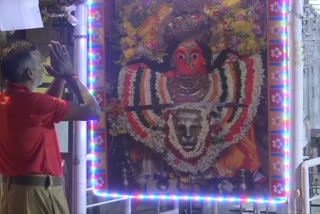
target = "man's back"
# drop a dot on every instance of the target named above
(28, 143)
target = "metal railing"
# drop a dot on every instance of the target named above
(305, 184)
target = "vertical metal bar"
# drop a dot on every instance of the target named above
(241, 208)
(215, 207)
(158, 206)
(207, 207)
(80, 145)
(256, 208)
(305, 188)
(296, 85)
(128, 206)
(176, 205)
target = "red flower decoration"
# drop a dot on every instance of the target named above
(215, 128)
(166, 115)
(177, 161)
(197, 19)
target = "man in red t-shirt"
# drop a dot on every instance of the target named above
(30, 159)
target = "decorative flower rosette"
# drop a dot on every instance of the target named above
(237, 81)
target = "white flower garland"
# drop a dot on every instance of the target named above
(203, 163)
(148, 99)
(122, 74)
(211, 88)
(230, 90)
(159, 77)
(135, 116)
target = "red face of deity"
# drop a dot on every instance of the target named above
(189, 59)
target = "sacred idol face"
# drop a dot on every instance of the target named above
(188, 126)
(189, 58)
(188, 130)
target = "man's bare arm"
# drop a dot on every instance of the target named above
(57, 87)
(61, 67)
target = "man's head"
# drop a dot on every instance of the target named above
(21, 63)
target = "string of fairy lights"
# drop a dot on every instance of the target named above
(286, 122)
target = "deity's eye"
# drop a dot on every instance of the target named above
(195, 55)
(181, 56)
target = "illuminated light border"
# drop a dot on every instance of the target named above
(91, 78)
(286, 95)
(285, 118)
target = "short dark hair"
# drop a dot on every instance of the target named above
(13, 57)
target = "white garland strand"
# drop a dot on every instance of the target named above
(159, 76)
(148, 99)
(230, 90)
(211, 88)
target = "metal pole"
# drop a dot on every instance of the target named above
(207, 207)
(256, 208)
(128, 206)
(241, 208)
(158, 206)
(215, 207)
(80, 145)
(296, 84)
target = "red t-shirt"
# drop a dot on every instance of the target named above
(28, 138)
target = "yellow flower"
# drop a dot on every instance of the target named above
(231, 3)
(241, 26)
(128, 41)
(128, 54)
(241, 13)
(130, 30)
(228, 20)
(122, 131)
(252, 45)
(184, 179)
(242, 48)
